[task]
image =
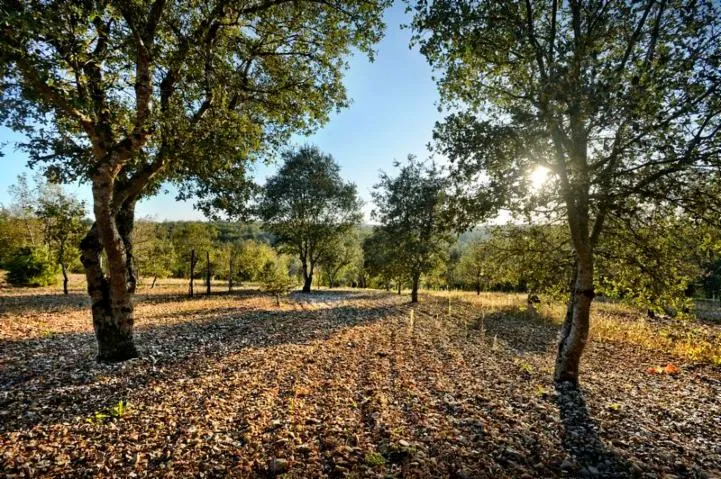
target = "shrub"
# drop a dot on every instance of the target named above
(275, 279)
(32, 266)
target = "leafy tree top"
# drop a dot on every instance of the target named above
(152, 90)
(618, 99)
(412, 209)
(307, 204)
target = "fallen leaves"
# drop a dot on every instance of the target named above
(670, 369)
(338, 384)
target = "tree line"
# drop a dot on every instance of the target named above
(660, 264)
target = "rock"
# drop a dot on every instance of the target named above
(277, 466)
(568, 464)
(304, 448)
(591, 471)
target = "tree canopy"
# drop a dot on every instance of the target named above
(618, 100)
(412, 210)
(308, 206)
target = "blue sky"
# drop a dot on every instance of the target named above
(392, 114)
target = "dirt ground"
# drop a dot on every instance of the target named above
(351, 383)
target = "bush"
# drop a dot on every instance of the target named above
(32, 266)
(275, 279)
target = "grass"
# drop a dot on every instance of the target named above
(614, 322)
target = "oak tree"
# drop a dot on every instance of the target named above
(63, 220)
(619, 100)
(308, 206)
(412, 211)
(123, 95)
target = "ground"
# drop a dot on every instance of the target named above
(352, 383)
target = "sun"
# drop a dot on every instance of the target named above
(538, 177)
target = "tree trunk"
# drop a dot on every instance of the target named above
(193, 261)
(61, 260)
(415, 280)
(155, 278)
(126, 222)
(307, 277)
(230, 272)
(574, 332)
(111, 298)
(65, 278)
(531, 301)
(207, 273)
(399, 287)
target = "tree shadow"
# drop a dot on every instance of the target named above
(59, 371)
(44, 302)
(521, 331)
(589, 456)
(337, 294)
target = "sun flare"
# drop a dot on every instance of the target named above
(538, 177)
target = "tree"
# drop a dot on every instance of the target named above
(537, 259)
(649, 260)
(124, 95)
(251, 257)
(154, 251)
(32, 266)
(275, 278)
(63, 219)
(412, 211)
(475, 266)
(12, 235)
(343, 252)
(380, 259)
(192, 239)
(25, 197)
(618, 100)
(308, 206)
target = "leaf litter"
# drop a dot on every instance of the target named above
(341, 384)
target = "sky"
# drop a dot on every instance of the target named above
(392, 114)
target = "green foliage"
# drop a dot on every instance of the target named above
(649, 261)
(32, 266)
(115, 412)
(533, 258)
(251, 258)
(154, 252)
(380, 258)
(412, 210)
(214, 86)
(187, 236)
(308, 206)
(340, 255)
(12, 235)
(599, 105)
(275, 278)
(63, 220)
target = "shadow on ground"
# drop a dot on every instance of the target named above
(520, 331)
(44, 302)
(589, 455)
(63, 365)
